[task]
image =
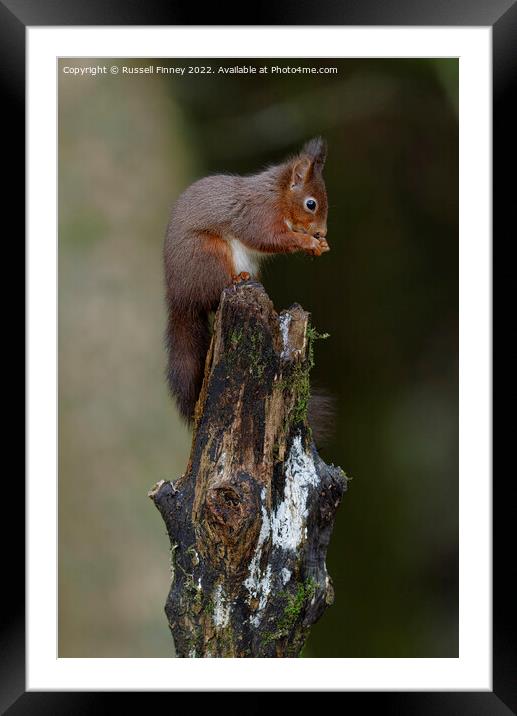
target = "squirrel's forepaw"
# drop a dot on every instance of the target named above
(318, 247)
(324, 247)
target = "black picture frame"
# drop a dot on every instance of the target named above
(501, 15)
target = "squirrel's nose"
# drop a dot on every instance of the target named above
(321, 234)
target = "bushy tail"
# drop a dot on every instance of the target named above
(187, 340)
(321, 415)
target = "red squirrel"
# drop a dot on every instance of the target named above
(219, 230)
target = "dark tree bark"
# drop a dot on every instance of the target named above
(250, 520)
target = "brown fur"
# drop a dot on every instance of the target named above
(321, 415)
(266, 213)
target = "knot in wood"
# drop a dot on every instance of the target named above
(228, 507)
(229, 526)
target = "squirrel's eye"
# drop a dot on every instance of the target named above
(311, 204)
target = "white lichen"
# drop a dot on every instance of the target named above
(258, 583)
(287, 527)
(263, 594)
(222, 608)
(286, 575)
(288, 524)
(285, 322)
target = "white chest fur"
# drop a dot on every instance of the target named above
(244, 259)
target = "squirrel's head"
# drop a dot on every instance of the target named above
(306, 205)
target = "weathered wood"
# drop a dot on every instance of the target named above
(250, 520)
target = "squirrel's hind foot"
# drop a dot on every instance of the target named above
(242, 276)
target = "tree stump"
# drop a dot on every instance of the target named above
(250, 520)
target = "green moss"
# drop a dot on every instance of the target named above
(312, 336)
(209, 606)
(298, 382)
(235, 337)
(256, 355)
(226, 642)
(247, 349)
(292, 610)
(198, 600)
(301, 385)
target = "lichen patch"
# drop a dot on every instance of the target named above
(258, 583)
(288, 524)
(222, 608)
(285, 321)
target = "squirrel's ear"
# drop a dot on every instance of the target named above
(300, 169)
(316, 150)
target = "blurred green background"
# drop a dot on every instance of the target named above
(387, 293)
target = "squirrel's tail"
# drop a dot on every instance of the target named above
(187, 341)
(321, 415)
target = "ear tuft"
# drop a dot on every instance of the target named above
(300, 171)
(316, 150)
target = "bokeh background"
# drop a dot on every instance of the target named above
(387, 293)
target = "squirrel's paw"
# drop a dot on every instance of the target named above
(317, 246)
(323, 247)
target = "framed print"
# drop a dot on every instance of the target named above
(129, 110)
